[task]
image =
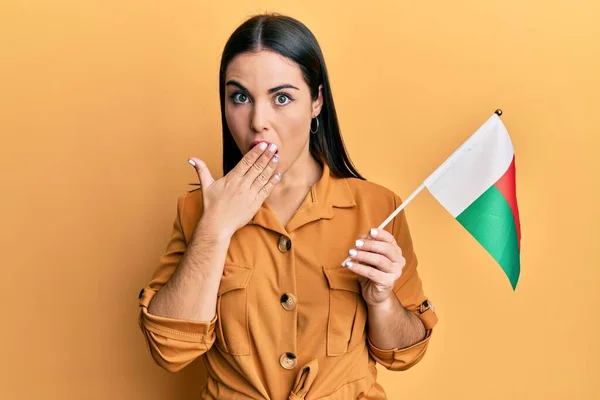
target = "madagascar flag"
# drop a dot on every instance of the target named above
(476, 184)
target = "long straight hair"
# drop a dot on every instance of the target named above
(292, 39)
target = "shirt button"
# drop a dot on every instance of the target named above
(284, 244)
(288, 301)
(288, 360)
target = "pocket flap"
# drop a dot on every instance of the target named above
(235, 276)
(341, 278)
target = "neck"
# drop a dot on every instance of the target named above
(300, 176)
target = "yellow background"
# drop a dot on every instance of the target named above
(102, 102)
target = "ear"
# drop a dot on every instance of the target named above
(317, 104)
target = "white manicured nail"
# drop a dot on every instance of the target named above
(277, 176)
(359, 243)
(373, 232)
(353, 253)
(275, 158)
(272, 147)
(192, 162)
(348, 264)
(262, 145)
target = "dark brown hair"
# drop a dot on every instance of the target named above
(292, 39)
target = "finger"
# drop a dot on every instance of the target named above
(249, 159)
(391, 251)
(370, 273)
(259, 165)
(202, 171)
(382, 235)
(265, 174)
(266, 190)
(378, 261)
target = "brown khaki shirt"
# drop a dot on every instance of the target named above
(290, 321)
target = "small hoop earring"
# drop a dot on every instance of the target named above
(317, 129)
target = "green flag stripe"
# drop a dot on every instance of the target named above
(491, 221)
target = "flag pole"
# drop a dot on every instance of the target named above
(396, 212)
(412, 196)
(401, 206)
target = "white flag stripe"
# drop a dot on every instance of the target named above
(473, 167)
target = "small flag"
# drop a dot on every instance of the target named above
(476, 184)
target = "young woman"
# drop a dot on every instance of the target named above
(252, 279)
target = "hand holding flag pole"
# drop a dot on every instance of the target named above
(476, 184)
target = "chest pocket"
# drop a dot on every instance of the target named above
(347, 311)
(233, 336)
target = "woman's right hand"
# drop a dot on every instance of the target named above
(231, 201)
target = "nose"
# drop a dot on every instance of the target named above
(259, 120)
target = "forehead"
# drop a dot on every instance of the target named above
(263, 69)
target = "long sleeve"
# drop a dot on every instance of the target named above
(409, 290)
(173, 343)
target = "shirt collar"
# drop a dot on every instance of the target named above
(327, 193)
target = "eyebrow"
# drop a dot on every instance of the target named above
(270, 91)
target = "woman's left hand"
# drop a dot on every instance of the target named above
(378, 262)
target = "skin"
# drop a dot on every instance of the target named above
(268, 101)
(377, 260)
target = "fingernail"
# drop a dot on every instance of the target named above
(192, 162)
(373, 232)
(353, 253)
(262, 145)
(348, 264)
(277, 176)
(359, 243)
(275, 158)
(272, 147)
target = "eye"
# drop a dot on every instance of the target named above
(282, 99)
(239, 98)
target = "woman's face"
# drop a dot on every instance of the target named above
(268, 100)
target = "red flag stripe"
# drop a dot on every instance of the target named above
(507, 186)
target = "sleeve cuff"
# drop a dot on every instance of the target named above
(172, 328)
(400, 359)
